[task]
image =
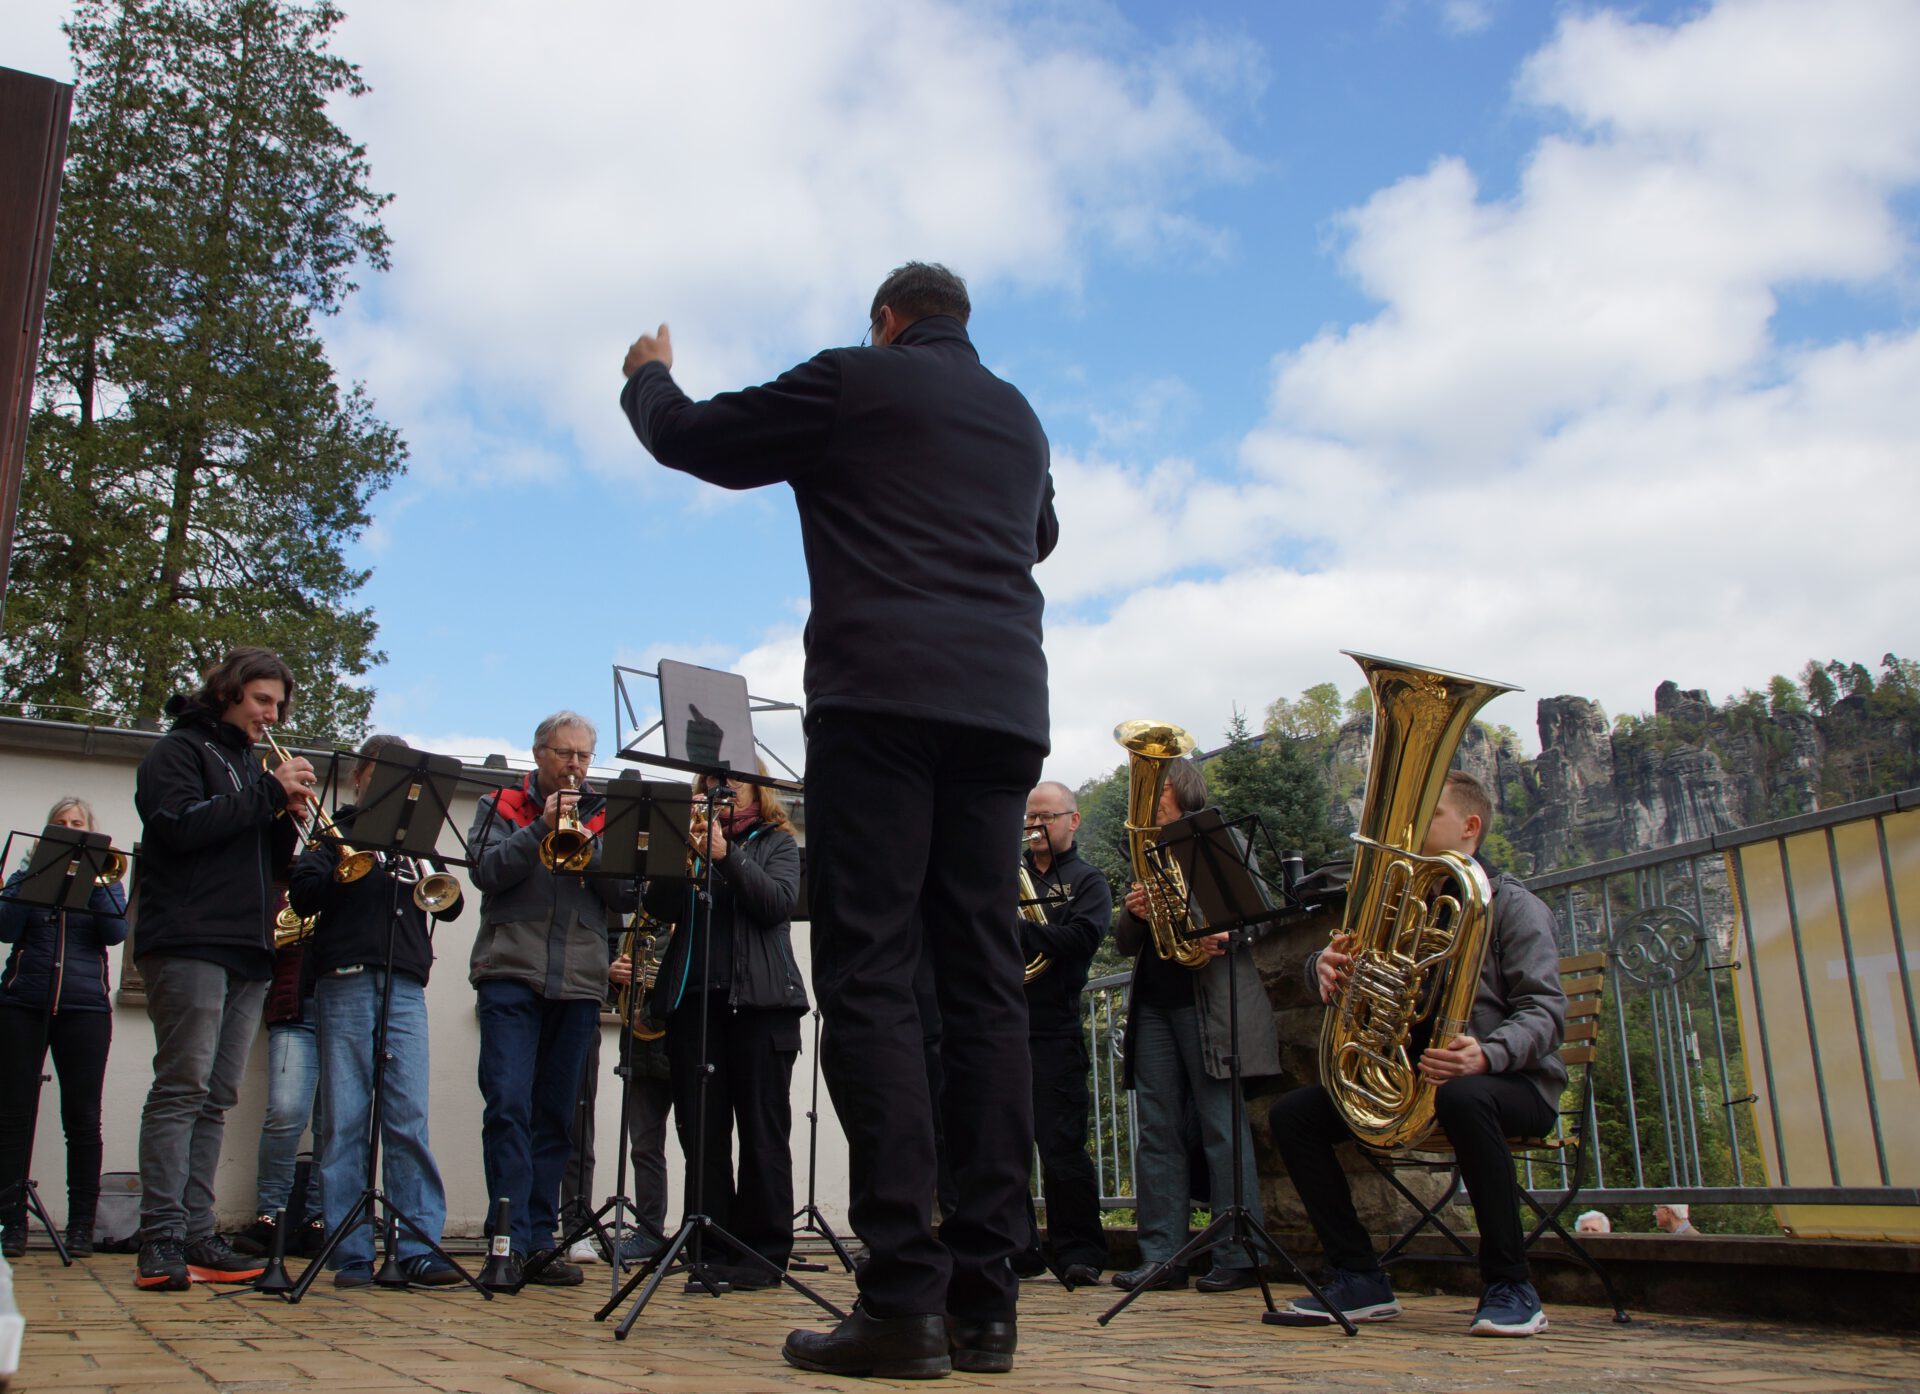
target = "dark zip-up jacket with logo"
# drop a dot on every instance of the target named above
(67, 962)
(212, 845)
(757, 884)
(925, 500)
(545, 929)
(1071, 936)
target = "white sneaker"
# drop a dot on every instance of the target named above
(583, 1252)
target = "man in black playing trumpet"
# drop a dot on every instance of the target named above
(346, 962)
(1501, 1079)
(540, 969)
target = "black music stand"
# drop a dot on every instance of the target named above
(61, 875)
(1227, 893)
(640, 837)
(809, 1218)
(708, 726)
(406, 805)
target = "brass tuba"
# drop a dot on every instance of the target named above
(1416, 925)
(1151, 746)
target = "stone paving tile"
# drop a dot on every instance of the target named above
(90, 1332)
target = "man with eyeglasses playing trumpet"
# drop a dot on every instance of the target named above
(346, 962)
(1058, 944)
(540, 968)
(218, 830)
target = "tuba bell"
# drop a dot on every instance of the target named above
(1151, 746)
(1416, 925)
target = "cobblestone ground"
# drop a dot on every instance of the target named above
(90, 1330)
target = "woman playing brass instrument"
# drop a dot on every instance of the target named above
(741, 962)
(54, 996)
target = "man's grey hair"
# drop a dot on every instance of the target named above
(1680, 1210)
(1605, 1227)
(1066, 794)
(560, 720)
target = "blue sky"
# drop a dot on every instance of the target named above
(1573, 345)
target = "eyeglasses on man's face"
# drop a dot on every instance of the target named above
(569, 757)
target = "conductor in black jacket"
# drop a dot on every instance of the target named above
(925, 500)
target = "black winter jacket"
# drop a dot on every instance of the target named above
(925, 501)
(72, 961)
(212, 845)
(352, 928)
(1070, 938)
(757, 884)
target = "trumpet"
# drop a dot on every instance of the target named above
(112, 869)
(569, 847)
(353, 864)
(433, 891)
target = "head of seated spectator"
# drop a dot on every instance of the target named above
(1592, 1222)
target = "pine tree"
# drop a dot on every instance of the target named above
(194, 466)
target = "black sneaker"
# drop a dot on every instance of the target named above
(163, 1266)
(80, 1240)
(555, 1271)
(14, 1243)
(210, 1260)
(311, 1239)
(430, 1270)
(354, 1275)
(1509, 1309)
(256, 1240)
(1359, 1296)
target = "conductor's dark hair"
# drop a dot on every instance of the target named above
(1189, 786)
(224, 683)
(919, 289)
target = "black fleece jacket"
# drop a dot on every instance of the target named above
(925, 501)
(1071, 936)
(213, 844)
(352, 928)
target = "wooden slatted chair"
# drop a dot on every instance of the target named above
(1562, 1154)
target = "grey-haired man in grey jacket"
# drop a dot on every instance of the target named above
(1501, 1079)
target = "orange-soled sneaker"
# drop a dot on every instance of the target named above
(163, 1266)
(210, 1260)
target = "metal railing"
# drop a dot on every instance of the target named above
(1761, 1043)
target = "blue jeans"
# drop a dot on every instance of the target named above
(204, 1020)
(293, 1068)
(1168, 1073)
(532, 1050)
(347, 1005)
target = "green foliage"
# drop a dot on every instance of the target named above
(1783, 695)
(1281, 782)
(194, 467)
(1315, 717)
(1819, 687)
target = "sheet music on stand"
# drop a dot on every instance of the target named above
(66, 865)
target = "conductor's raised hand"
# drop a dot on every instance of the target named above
(649, 348)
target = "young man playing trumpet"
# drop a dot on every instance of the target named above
(1501, 1079)
(540, 969)
(216, 838)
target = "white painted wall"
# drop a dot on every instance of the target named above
(40, 762)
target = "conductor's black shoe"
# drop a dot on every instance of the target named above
(981, 1347)
(1080, 1275)
(884, 1347)
(1223, 1279)
(555, 1271)
(1173, 1277)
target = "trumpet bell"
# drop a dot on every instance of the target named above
(566, 849)
(436, 892)
(113, 869)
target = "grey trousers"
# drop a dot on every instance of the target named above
(204, 1022)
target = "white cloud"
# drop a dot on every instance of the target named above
(744, 171)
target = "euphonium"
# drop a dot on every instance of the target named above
(1151, 746)
(1416, 925)
(569, 847)
(319, 828)
(289, 927)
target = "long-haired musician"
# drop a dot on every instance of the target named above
(54, 997)
(740, 959)
(216, 838)
(1501, 1079)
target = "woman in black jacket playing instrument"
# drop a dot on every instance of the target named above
(741, 961)
(53, 996)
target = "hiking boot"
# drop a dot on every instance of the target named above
(1358, 1296)
(163, 1266)
(1509, 1309)
(210, 1260)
